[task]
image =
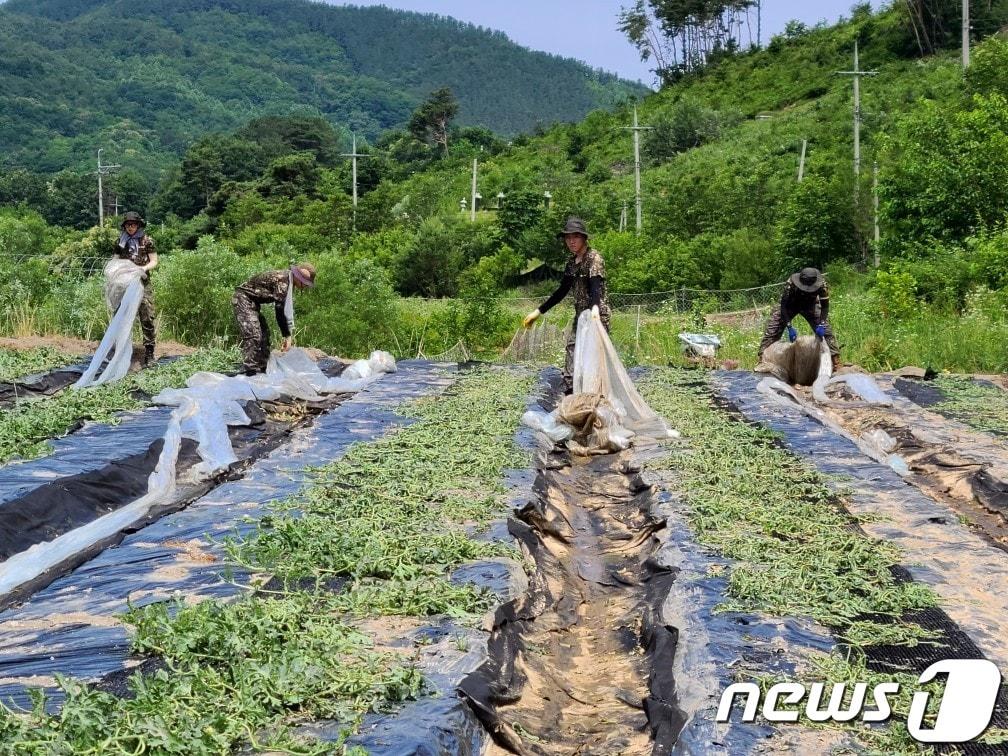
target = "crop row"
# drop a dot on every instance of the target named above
(796, 551)
(17, 363)
(25, 428)
(391, 518)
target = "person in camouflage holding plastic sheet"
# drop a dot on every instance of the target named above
(265, 288)
(134, 245)
(807, 294)
(585, 277)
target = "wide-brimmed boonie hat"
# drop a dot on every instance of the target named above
(808, 280)
(306, 281)
(574, 226)
(133, 217)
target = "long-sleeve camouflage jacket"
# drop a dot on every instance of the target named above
(270, 286)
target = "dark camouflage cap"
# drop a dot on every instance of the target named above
(574, 225)
(135, 217)
(808, 280)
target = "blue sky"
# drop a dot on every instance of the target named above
(586, 29)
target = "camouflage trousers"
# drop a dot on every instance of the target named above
(255, 336)
(779, 320)
(147, 313)
(568, 373)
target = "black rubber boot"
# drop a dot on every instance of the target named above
(148, 357)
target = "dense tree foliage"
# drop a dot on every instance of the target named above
(146, 80)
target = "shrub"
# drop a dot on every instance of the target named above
(351, 311)
(895, 294)
(817, 223)
(641, 264)
(385, 248)
(949, 172)
(193, 289)
(280, 242)
(87, 253)
(442, 248)
(687, 124)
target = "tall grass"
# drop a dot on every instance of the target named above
(944, 340)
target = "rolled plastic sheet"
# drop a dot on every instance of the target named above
(123, 293)
(70, 627)
(799, 363)
(599, 372)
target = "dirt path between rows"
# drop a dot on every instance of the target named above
(570, 669)
(74, 347)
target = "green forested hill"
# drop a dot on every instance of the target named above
(144, 80)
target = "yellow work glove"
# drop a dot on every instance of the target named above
(531, 318)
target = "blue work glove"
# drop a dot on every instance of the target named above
(820, 330)
(792, 334)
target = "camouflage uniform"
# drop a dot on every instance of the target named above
(813, 306)
(140, 255)
(587, 280)
(255, 337)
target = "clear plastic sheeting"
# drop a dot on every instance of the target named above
(700, 344)
(605, 412)
(548, 423)
(861, 384)
(70, 627)
(123, 292)
(800, 363)
(203, 412)
(598, 370)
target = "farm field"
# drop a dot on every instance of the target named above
(408, 563)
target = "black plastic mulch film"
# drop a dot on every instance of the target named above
(66, 627)
(30, 644)
(40, 384)
(499, 681)
(829, 451)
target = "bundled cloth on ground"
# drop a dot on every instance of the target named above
(605, 411)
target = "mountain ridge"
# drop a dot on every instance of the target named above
(146, 81)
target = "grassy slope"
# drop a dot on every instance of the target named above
(739, 179)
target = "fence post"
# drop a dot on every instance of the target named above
(637, 333)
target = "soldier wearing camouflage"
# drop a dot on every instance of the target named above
(270, 287)
(585, 277)
(806, 293)
(136, 246)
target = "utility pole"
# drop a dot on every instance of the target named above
(801, 163)
(354, 155)
(965, 34)
(637, 129)
(857, 73)
(759, 23)
(103, 170)
(875, 203)
(472, 210)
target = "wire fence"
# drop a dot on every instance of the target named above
(680, 301)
